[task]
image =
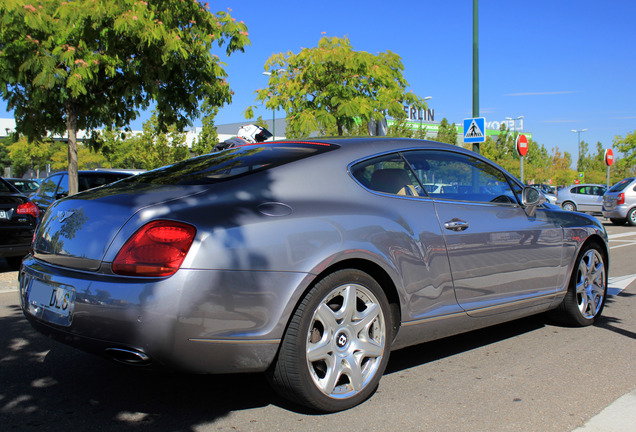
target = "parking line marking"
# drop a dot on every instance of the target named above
(627, 234)
(623, 245)
(618, 283)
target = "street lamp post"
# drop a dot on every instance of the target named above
(578, 142)
(276, 71)
(514, 124)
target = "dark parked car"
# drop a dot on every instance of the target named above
(582, 197)
(55, 186)
(26, 186)
(18, 219)
(308, 260)
(619, 202)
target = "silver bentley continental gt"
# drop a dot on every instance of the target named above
(309, 261)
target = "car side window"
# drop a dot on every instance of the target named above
(387, 174)
(49, 186)
(599, 191)
(456, 176)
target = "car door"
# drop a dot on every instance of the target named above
(500, 258)
(588, 198)
(596, 198)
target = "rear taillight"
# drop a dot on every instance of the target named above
(156, 249)
(621, 198)
(28, 208)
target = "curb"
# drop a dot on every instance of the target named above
(8, 286)
(620, 416)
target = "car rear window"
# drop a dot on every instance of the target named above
(231, 163)
(621, 185)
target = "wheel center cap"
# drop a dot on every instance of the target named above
(342, 340)
(587, 282)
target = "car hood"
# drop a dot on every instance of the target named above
(77, 231)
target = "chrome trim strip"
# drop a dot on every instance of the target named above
(432, 319)
(550, 296)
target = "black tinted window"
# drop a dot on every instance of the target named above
(5, 187)
(230, 163)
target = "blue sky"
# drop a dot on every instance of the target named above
(562, 64)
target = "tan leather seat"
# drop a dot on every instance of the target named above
(394, 181)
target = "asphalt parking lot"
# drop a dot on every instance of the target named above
(527, 375)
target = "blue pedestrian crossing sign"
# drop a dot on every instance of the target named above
(475, 130)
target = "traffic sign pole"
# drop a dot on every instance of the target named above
(609, 160)
(522, 149)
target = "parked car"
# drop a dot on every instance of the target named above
(548, 191)
(26, 186)
(619, 202)
(307, 260)
(582, 198)
(18, 219)
(55, 186)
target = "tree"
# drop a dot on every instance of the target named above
(157, 148)
(446, 133)
(209, 137)
(25, 155)
(73, 65)
(627, 146)
(329, 86)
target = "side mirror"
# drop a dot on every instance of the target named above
(531, 199)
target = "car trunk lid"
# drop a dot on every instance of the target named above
(77, 231)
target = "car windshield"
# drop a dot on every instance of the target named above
(621, 185)
(230, 163)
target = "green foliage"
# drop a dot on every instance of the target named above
(627, 146)
(82, 64)
(156, 148)
(209, 137)
(326, 88)
(5, 157)
(400, 128)
(447, 133)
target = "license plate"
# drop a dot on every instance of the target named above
(51, 302)
(4, 214)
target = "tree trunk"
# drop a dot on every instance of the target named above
(71, 127)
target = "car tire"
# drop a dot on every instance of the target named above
(568, 206)
(587, 291)
(337, 344)
(618, 221)
(631, 217)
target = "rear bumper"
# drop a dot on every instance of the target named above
(619, 212)
(201, 321)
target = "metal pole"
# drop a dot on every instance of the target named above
(476, 66)
(578, 162)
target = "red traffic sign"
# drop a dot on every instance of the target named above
(609, 157)
(522, 145)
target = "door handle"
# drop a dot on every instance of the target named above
(456, 225)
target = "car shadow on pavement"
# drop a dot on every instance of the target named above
(47, 386)
(431, 351)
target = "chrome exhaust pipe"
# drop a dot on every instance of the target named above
(128, 356)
